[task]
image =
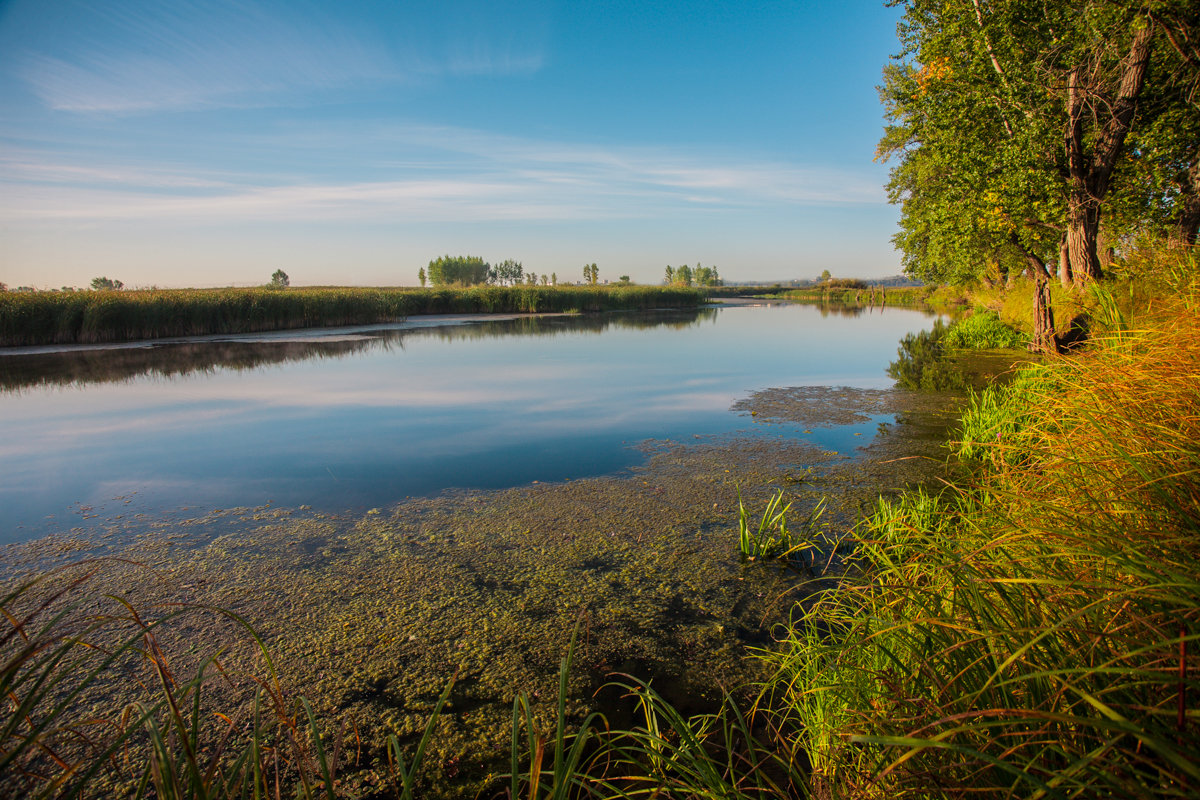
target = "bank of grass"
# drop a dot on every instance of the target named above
(1031, 633)
(37, 318)
(858, 293)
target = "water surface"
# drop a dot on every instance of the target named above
(349, 420)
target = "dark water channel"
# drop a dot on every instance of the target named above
(348, 420)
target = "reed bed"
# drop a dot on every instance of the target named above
(1032, 634)
(38, 318)
(213, 726)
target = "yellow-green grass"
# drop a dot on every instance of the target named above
(35, 318)
(1032, 634)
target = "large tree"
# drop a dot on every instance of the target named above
(1010, 123)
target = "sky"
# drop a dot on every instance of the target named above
(210, 142)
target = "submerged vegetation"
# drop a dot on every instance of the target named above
(36, 318)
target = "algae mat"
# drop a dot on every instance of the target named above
(371, 617)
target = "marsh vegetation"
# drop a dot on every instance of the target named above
(37, 318)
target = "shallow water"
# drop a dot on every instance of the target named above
(351, 420)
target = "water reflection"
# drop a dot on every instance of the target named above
(80, 366)
(351, 420)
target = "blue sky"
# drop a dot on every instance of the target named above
(211, 142)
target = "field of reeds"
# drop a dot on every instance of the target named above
(860, 294)
(89, 317)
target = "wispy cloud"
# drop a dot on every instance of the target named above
(136, 57)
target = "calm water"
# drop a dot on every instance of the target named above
(354, 420)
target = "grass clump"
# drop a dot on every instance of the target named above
(772, 538)
(983, 330)
(103, 699)
(1034, 633)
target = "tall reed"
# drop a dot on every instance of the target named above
(1034, 633)
(36, 318)
(215, 725)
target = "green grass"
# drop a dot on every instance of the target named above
(1033, 633)
(36, 318)
(772, 538)
(983, 330)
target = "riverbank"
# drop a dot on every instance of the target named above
(90, 317)
(1032, 629)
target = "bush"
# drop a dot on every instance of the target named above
(983, 330)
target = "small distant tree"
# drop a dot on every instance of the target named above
(507, 273)
(670, 275)
(623, 279)
(706, 276)
(279, 280)
(554, 279)
(421, 276)
(591, 273)
(106, 284)
(683, 275)
(826, 275)
(545, 280)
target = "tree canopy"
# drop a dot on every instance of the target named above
(462, 270)
(693, 276)
(1016, 129)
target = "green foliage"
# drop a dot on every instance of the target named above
(279, 280)
(107, 284)
(507, 273)
(978, 102)
(693, 276)
(983, 330)
(772, 538)
(458, 270)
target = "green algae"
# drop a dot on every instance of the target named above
(371, 615)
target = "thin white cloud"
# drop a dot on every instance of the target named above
(137, 57)
(451, 175)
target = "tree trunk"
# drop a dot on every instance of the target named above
(1064, 262)
(1187, 224)
(1089, 173)
(1044, 338)
(1083, 225)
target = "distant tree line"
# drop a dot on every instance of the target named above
(473, 271)
(692, 276)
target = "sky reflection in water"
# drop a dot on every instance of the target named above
(355, 422)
